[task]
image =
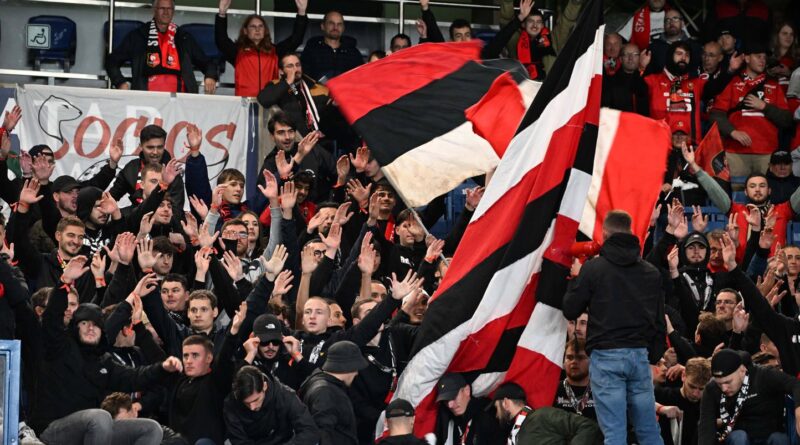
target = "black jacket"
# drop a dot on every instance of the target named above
(75, 376)
(282, 419)
(623, 296)
(320, 60)
(761, 414)
(781, 189)
(327, 400)
(405, 439)
(626, 92)
(134, 48)
(125, 183)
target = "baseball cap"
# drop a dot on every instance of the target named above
(509, 390)
(65, 183)
(678, 125)
(726, 362)
(696, 238)
(267, 328)
(449, 386)
(780, 157)
(399, 408)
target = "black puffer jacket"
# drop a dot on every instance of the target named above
(622, 294)
(282, 419)
(75, 376)
(326, 397)
(134, 48)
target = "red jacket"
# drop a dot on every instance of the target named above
(681, 105)
(254, 69)
(783, 213)
(762, 132)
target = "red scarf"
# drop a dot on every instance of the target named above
(163, 64)
(640, 34)
(524, 50)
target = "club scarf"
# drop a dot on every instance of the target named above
(640, 34)
(518, 420)
(729, 419)
(524, 50)
(162, 55)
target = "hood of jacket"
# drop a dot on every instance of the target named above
(621, 249)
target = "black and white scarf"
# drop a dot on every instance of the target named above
(729, 419)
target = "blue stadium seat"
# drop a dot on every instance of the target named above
(121, 30)
(63, 42)
(739, 197)
(486, 36)
(203, 34)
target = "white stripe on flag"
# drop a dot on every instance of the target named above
(440, 165)
(546, 333)
(526, 151)
(606, 133)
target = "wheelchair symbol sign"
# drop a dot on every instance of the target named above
(38, 36)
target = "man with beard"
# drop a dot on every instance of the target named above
(574, 393)
(45, 269)
(674, 94)
(102, 217)
(543, 425)
(275, 354)
(332, 53)
(757, 192)
(686, 399)
(749, 113)
(129, 180)
(156, 179)
(674, 31)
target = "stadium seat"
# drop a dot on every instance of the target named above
(121, 30)
(486, 36)
(63, 42)
(204, 36)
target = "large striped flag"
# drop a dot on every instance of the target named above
(496, 315)
(410, 109)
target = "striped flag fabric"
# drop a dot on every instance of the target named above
(410, 109)
(496, 316)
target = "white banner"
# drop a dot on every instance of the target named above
(80, 124)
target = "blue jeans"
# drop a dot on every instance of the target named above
(739, 437)
(622, 383)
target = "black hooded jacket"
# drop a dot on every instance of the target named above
(282, 419)
(76, 376)
(327, 400)
(128, 177)
(623, 296)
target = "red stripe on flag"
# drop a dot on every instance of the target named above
(540, 390)
(497, 115)
(475, 246)
(399, 75)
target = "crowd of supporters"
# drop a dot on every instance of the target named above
(195, 316)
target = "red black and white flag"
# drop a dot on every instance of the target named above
(496, 316)
(414, 110)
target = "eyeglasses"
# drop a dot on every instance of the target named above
(319, 252)
(241, 235)
(673, 19)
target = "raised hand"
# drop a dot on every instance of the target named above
(753, 217)
(735, 62)
(740, 318)
(108, 204)
(342, 216)
(673, 260)
(233, 265)
(170, 171)
(474, 196)
(223, 7)
(43, 169)
(11, 118)
(98, 265)
(202, 259)
(525, 7)
(199, 206)
(74, 269)
(5, 145)
(147, 258)
(308, 262)
(190, 225)
(315, 222)
(283, 284)
(434, 249)
(307, 143)
(699, 221)
(361, 159)
(124, 246)
(728, 252)
(766, 238)
(732, 228)
(238, 318)
(368, 257)
(275, 264)
(172, 364)
(146, 285)
(644, 59)
(403, 288)
(206, 239)
(115, 152)
(774, 296)
(30, 192)
(374, 211)
(270, 187)
(342, 169)
(333, 239)
(146, 224)
(284, 167)
(136, 307)
(301, 6)
(358, 192)
(194, 137)
(689, 155)
(422, 28)
(216, 198)
(675, 214)
(424, 4)
(288, 196)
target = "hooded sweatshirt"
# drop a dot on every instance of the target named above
(622, 294)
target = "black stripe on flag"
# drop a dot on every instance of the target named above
(407, 123)
(561, 73)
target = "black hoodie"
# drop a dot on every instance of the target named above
(623, 296)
